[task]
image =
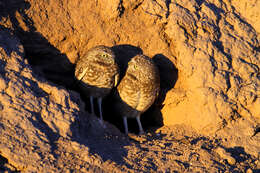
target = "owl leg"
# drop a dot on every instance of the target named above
(125, 125)
(141, 131)
(91, 105)
(100, 110)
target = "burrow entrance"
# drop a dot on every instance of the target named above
(49, 62)
(56, 67)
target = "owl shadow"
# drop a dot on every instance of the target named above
(152, 118)
(124, 53)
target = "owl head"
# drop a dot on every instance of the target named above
(97, 59)
(143, 68)
(102, 54)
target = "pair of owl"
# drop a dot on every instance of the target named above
(97, 73)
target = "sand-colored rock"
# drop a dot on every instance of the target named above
(225, 155)
(249, 12)
(38, 119)
(26, 132)
(218, 66)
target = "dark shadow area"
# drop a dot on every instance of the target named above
(52, 136)
(238, 153)
(124, 53)
(168, 2)
(256, 131)
(2, 65)
(152, 118)
(199, 2)
(168, 77)
(45, 59)
(106, 142)
(196, 140)
(84, 94)
(3, 161)
(8, 42)
(217, 11)
(241, 157)
(4, 168)
(109, 149)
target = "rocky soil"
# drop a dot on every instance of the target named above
(207, 116)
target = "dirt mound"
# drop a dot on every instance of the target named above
(212, 44)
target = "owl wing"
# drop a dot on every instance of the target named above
(107, 76)
(80, 70)
(149, 92)
(82, 74)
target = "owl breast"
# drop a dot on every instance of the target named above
(139, 95)
(97, 72)
(100, 75)
(139, 87)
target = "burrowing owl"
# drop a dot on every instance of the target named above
(138, 89)
(97, 73)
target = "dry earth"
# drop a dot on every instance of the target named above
(206, 119)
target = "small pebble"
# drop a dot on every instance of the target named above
(161, 145)
(225, 155)
(249, 170)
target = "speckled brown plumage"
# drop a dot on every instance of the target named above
(97, 73)
(138, 89)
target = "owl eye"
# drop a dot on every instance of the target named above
(135, 66)
(104, 55)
